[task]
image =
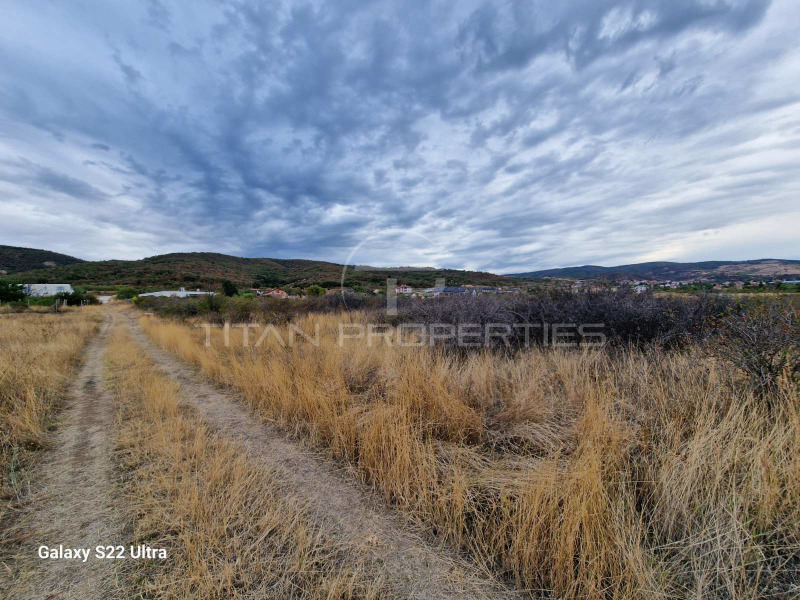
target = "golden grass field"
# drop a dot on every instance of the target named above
(568, 473)
(38, 356)
(229, 529)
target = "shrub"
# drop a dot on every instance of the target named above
(210, 303)
(10, 291)
(627, 318)
(315, 290)
(126, 293)
(77, 298)
(228, 288)
(763, 340)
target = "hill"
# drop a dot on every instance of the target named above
(715, 270)
(207, 270)
(15, 260)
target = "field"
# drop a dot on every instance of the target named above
(287, 460)
(573, 472)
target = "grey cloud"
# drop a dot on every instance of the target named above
(299, 130)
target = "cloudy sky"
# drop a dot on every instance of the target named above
(503, 136)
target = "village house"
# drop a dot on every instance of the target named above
(180, 293)
(274, 292)
(449, 290)
(404, 289)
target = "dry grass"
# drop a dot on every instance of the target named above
(38, 356)
(229, 529)
(576, 474)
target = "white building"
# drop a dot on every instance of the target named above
(181, 293)
(404, 289)
(43, 290)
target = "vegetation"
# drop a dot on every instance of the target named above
(228, 288)
(243, 309)
(315, 290)
(632, 472)
(229, 528)
(623, 317)
(627, 318)
(764, 342)
(15, 260)
(127, 293)
(208, 270)
(11, 291)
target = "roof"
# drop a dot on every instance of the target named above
(181, 293)
(46, 289)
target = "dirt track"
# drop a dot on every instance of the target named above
(74, 503)
(416, 568)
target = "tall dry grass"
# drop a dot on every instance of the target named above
(229, 529)
(38, 356)
(578, 474)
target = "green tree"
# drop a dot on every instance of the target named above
(228, 288)
(315, 290)
(126, 293)
(269, 279)
(10, 291)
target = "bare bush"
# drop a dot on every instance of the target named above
(626, 318)
(763, 340)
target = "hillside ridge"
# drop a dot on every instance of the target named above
(660, 270)
(208, 269)
(15, 259)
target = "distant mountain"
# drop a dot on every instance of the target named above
(208, 270)
(713, 270)
(14, 259)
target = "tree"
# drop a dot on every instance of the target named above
(228, 288)
(126, 293)
(210, 303)
(10, 291)
(315, 290)
(269, 279)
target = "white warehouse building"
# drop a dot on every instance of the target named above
(43, 290)
(181, 293)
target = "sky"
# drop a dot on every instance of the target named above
(499, 136)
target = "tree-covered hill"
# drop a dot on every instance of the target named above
(208, 270)
(14, 259)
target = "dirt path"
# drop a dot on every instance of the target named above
(417, 569)
(74, 504)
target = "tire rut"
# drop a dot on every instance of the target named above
(416, 568)
(74, 503)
